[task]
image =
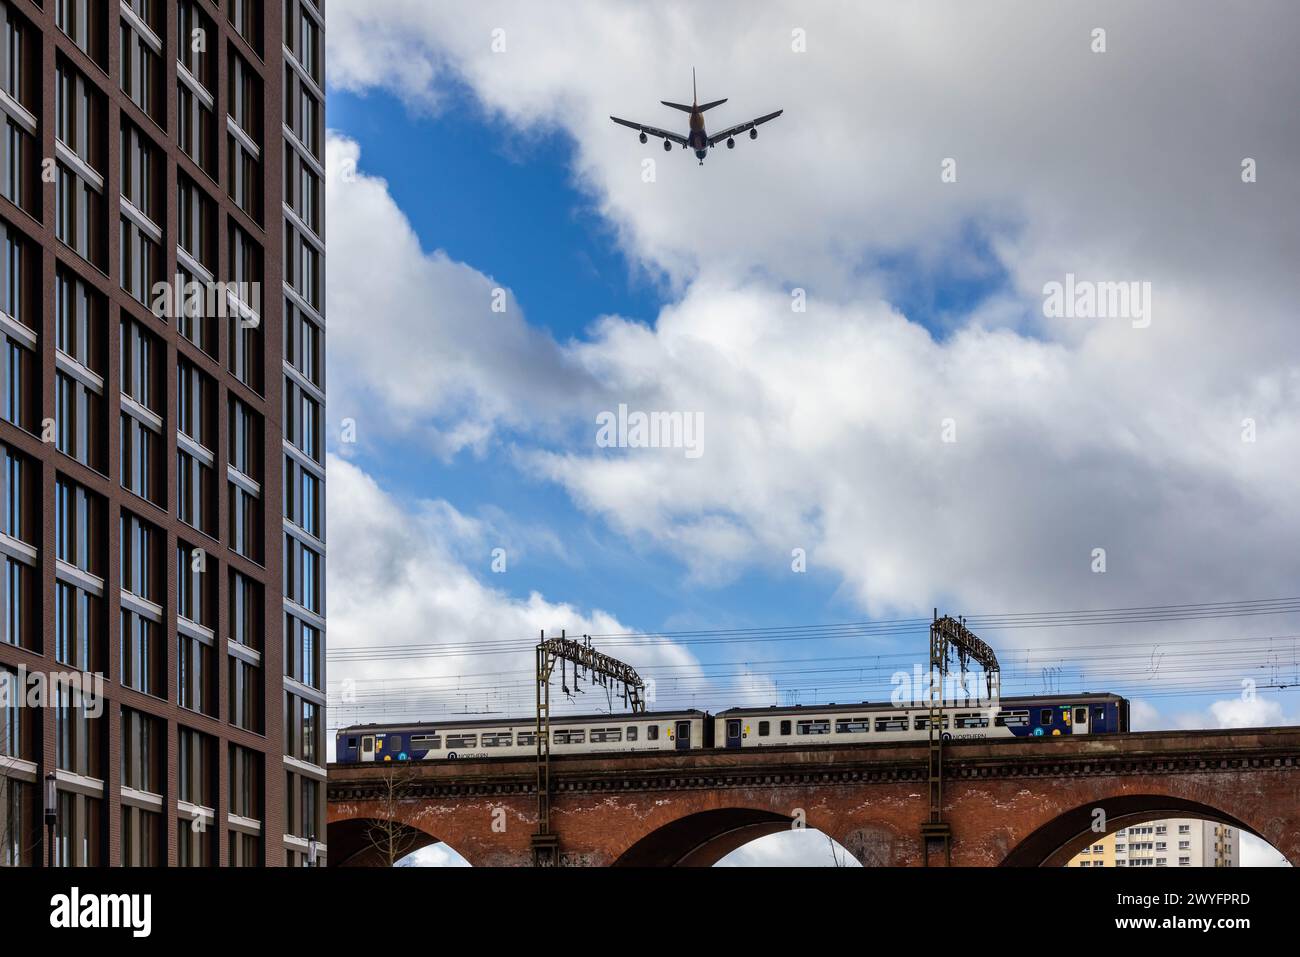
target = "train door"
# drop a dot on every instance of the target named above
(1080, 720)
(367, 747)
(683, 735)
(1099, 719)
(733, 732)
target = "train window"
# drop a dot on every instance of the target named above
(352, 742)
(606, 735)
(785, 728)
(1080, 715)
(974, 720)
(631, 732)
(764, 728)
(815, 726)
(569, 736)
(526, 739)
(852, 725)
(426, 741)
(896, 723)
(462, 741)
(498, 739)
(733, 728)
(1012, 719)
(923, 723)
(1045, 716)
(652, 732)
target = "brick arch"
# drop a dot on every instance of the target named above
(703, 838)
(350, 845)
(1055, 842)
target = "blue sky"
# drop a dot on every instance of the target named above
(826, 427)
(513, 211)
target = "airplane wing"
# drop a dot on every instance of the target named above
(662, 134)
(743, 127)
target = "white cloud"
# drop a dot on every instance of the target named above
(397, 580)
(822, 428)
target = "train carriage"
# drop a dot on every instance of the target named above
(828, 725)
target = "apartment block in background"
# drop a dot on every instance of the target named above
(1175, 842)
(148, 444)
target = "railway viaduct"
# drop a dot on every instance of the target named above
(1016, 802)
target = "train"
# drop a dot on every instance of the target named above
(826, 725)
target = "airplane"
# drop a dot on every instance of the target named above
(697, 138)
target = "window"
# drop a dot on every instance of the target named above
(631, 732)
(850, 726)
(302, 574)
(606, 735)
(1012, 719)
(196, 595)
(419, 742)
(245, 613)
(140, 371)
(245, 339)
(302, 496)
(245, 439)
(142, 447)
(144, 739)
(79, 320)
(18, 57)
(303, 730)
(17, 367)
(80, 114)
(973, 720)
(764, 729)
(246, 18)
(18, 476)
(302, 343)
(244, 784)
(244, 98)
(897, 722)
(196, 673)
(195, 499)
(245, 522)
(141, 565)
(83, 22)
(198, 770)
(570, 736)
(462, 741)
(79, 215)
(498, 739)
(78, 628)
(141, 58)
(21, 617)
(244, 690)
(195, 41)
(302, 653)
(142, 843)
(818, 726)
(197, 222)
(1045, 716)
(785, 728)
(652, 732)
(141, 653)
(77, 830)
(77, 418)
(80, 740)
(526, 739)
(80, 534)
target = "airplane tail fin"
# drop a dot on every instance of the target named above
(678, 106)
(709, 106)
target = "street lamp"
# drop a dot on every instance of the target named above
(311, 851)
(51, 813)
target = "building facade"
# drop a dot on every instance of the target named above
(161, 406)
(1175, 842)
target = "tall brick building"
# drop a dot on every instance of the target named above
(163, 462)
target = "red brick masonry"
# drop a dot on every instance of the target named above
(1009, 802)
